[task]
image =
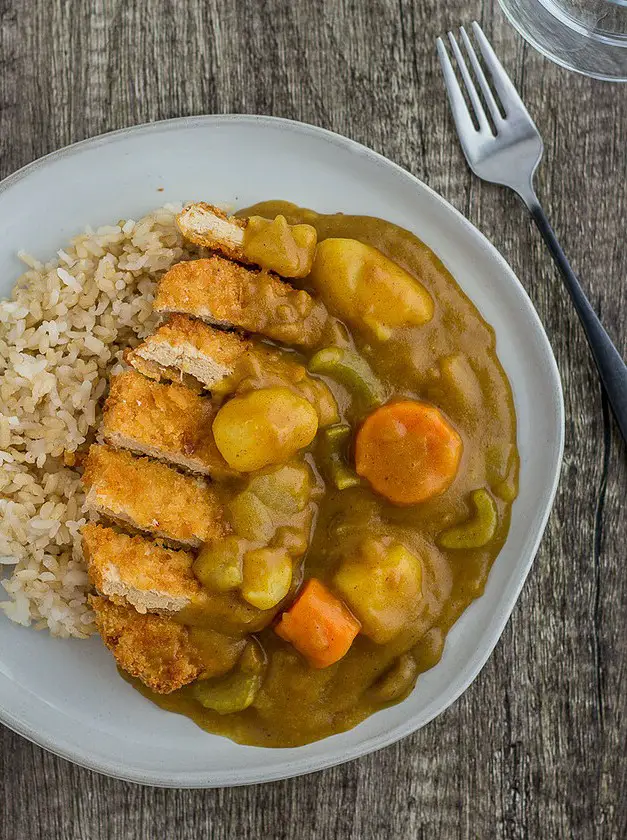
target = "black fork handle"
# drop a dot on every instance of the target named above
(612, 369)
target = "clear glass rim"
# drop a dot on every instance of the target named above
(604, 36)
(587, 38)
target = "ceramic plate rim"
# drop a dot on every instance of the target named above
(194, 779)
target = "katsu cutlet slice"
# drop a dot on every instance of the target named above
(138, 571)
(152, 497)
(153, 648)
(167, 422)
(204, 224)
(187, 347)
(225, 294)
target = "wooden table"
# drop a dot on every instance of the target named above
(536, 747)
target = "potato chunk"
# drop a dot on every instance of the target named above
(277, 246)
(267, 577)
(365, 288)
(286, 488)
(382, 585)
(219, 564)
(250, 517)
(264, 427)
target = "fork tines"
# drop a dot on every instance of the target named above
(510, 101)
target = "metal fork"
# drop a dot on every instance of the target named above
(508, 152)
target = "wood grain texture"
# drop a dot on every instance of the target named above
(535, 748)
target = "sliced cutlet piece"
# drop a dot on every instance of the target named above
(206, 225)
(167, 422)
(226, 363)
(271, 243)
(225, 294)
(152, 497)
(183, 347)
(153, 648)
(138, 571)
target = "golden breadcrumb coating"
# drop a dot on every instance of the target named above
(207, 225)
(153, 648)
(152, 497)
(188, 347)
(168, 422)
(138, 571)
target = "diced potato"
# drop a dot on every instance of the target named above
(250, 517)
(382, 585)
(235, 691)
(398, 680)
(294, 540)
(267, 577)
(286, 488)
(365, 288)
(321, 397)
(264, 367)
(459, 376)
(275, 245)
(219, 564)
(264, 427)
(479, 530)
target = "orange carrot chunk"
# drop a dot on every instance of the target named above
(319, 625)
(408, 451)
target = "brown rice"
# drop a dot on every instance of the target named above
(61, 333)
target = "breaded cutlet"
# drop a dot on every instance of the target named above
(153, 648)
(167, 422)
(226, 363)
(137, 571)
(225, 294)
(186, 347)
(152, 497)
(206, 225)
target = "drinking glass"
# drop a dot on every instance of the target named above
(589, 36)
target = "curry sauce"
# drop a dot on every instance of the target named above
(449, 361)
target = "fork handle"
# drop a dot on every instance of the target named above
(612, 369)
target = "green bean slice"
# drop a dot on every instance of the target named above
(238, 689)
(476, 532)
(352, 371)
(334, 440)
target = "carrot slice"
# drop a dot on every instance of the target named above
(408, 451)
(319, 625)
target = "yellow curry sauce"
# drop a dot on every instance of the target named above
(449, 361)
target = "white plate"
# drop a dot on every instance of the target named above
(66, 695)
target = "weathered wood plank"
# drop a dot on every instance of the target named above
(535, 748)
